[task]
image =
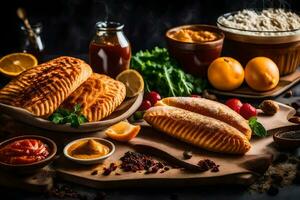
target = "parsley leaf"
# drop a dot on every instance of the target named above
(257, 128)
(63, 116)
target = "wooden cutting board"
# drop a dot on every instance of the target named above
(245, 91)
(233, 169)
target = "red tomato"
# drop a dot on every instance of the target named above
(153, 97)
(247, 111)
(146, 104)
(234, 104)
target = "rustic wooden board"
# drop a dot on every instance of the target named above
(233, 169)
(245, 91)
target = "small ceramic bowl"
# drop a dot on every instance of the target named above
(97, 160)
(287, 138)
(195, 57)
(32, 167)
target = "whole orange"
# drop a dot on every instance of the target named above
(225, 73)
(261, 74)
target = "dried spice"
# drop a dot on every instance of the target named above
(63, 191)
(112, 167)
(187, 154)
(207, 164)
(95, 172)
(133, 161)
(281, 173)
(269, 107)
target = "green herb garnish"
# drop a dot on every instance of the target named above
(63, 116)
(162, 74)
(257, 128)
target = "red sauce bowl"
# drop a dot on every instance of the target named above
(195, 57)
(32, 167)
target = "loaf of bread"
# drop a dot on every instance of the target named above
(41, 89)
(211, 109)
(205, 129)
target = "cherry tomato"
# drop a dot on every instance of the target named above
(146, 104)
(234, 104)
(153, 97)
(247, 111)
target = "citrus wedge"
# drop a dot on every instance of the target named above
(133, 81)
(14, 64)
(122, 131)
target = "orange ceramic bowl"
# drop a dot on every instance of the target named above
(195, 57)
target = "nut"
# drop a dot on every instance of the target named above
(269, 107)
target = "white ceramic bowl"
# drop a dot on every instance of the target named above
(98, 160)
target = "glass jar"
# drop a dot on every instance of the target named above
(33, 44)
(109, 51)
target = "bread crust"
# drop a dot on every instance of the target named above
(41, 89)
(99, 96)
(211, 109)
(202, 131)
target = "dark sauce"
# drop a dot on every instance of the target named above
(290, 135)
(109, 59)
(109, 51)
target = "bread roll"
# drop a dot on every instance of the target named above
(202, 131)
(211, 109)
(41, 89)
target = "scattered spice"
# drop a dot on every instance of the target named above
(187, 154)
(95, 172)
(282, 172)
(207, 164)
(63, 191)
(133, 161)
(269, 107)
(112, 167)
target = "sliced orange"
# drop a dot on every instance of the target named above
(133, 81)
(14, 64)
(122, 131)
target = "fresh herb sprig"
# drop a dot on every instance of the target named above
(63, 116)
(257, 128)
(162, 74)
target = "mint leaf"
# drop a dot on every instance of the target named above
(257, 128)
(77, 108)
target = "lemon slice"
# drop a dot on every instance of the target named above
(122, 131)
(14, 64)
(133, 81)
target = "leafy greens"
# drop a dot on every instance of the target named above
(162, 74)
(63, 116)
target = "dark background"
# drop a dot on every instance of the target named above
(68, 25)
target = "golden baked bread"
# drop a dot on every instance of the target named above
(202, 131)
(99, 96)
(211, 109)
(41, 89)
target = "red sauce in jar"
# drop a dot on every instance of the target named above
(25, 151)
(109, 59)
(109, 51)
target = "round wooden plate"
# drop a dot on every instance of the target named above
(125, 110)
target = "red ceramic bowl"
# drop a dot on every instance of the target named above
(32, 167)
(195, 57)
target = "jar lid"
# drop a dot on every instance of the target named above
(109, 26)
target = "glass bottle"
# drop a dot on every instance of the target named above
(109, 51)
(33, 44)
